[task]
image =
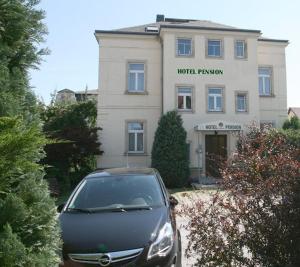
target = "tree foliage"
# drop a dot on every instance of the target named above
(256, 220)
(170, 151)
(29, 233)
(293, 123)
(21, 32)
(71, 155)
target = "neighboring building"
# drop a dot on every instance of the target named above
(219, 78)
(69, 96)
(294, 112)
(65, 96)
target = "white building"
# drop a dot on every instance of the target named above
(220, 79)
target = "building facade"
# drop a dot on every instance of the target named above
(219, 78)
(65, 96)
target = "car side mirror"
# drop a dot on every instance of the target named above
(60, 207)
(173, 201)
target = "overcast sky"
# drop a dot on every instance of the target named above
(73, 62)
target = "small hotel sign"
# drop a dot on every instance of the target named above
(201, 71)
(217, 126)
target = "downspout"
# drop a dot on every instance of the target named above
(162, 76)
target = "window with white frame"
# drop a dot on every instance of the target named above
(215, 99)
(240, 49)
(214, 48)
(184, 98)
(135, 137)
(136, 77)
(264, 81)
(184, 47)
(241, 102)
(266, 125)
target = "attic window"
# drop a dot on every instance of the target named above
(151, 29)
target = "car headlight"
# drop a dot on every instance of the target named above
(163, 243)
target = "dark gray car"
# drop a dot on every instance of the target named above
(120, 217)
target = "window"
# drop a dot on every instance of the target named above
(266, 125)
(241, 102)
(240, 49)
(136, 77)
(264, 81)
(184, 47)
(214, 48)
(215, 99)
(184, 98)
(135, 137)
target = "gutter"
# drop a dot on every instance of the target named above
(273, 40)
(126, 32)
(209, 28)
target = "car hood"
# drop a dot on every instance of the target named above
(110, 231)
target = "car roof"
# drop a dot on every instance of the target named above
(121, 172)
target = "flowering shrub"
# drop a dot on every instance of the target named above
(255, 220)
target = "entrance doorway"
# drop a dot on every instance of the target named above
(215, 154)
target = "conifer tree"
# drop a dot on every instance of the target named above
(170, 150)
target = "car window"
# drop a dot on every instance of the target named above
(118, 191)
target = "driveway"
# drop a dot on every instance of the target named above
(183, 198)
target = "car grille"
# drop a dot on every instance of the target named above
(105, 259)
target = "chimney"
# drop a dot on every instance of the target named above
(160, 18)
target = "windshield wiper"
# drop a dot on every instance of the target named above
(138, 208)
(120, 209)
(80, 210)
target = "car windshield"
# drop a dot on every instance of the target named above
(117, 192)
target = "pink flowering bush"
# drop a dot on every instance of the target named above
(255, 219)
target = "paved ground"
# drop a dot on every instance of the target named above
(183, 198)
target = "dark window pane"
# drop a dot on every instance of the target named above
(188, 100)
(140, 142)
(180, 102)
(131, 142)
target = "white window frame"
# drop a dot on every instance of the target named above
(244, 49)
(184, 98)
(221, 48)
(177, 47)
(135, 72)
(264, 77)
(135, 132)
(215, 96)
(267, 124)
(245, 95)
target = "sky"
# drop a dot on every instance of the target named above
(73, 62)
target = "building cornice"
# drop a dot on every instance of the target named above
(273, 40)
(209, 28)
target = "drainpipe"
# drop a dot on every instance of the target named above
(199, 151)
(162, 77)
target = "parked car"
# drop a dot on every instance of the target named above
(120, 217)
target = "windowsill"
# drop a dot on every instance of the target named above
(136, 93)
(267, 96)
(241, 112)
(185, 111)
(214, 57)
(135, 153)
(189, 56)
(241, 58)
(215, 111)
